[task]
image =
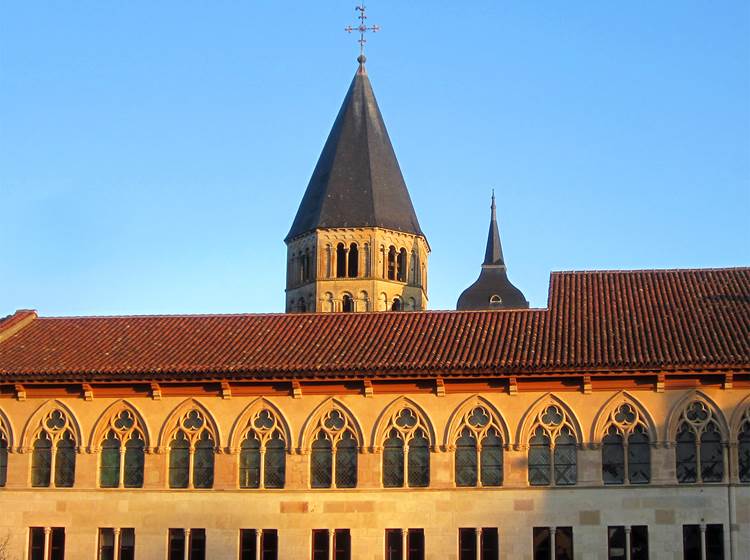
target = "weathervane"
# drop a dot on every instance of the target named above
(362, 28)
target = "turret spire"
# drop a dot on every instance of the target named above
(494, 253)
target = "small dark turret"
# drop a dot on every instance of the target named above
(492, 290)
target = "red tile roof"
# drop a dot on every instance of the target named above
(595, 321)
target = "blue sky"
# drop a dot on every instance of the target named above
(153, 154)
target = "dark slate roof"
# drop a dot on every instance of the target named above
(357, 181)
(492, 290)
(599, 321)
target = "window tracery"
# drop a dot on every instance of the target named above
(191, 451)
(263, 452)
(699, 446)
(626, 447)
(406, 450)
(53, 460)
(334, 451)
(122, 451)
(479, 450)
(552, 448)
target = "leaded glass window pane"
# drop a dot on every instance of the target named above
(134, 461)
(613, 458)
(179, 461)
(3, 461)
(346, 461)
(639, 457)
(466, 459)
(712, 455)
(41, 461)
(109, 467)
(250, 462)
(203, 462)
(274, 469)
(565, 458)
(540, 459)
(419, 460)
(492, 459)
(321, 462)
(393, 461)
(743, 449)
(687, 467)
(65, 461)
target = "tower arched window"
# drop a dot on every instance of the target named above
(305, 266)
(301, 305)
(626, 447)
(743, 448)
(191, 452)
(347, 303)
(53, 460)
(353, 268)
(340, 261)
(334, 453)
(406, 451)
(391, 263)
(401, 266)
(4, 445)
(397, 304)
(479, 450)
(553, 449)
(263, 453)
(122, 453)
(699, 447)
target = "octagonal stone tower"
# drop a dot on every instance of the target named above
(356, 244)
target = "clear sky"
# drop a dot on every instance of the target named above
(153, 154)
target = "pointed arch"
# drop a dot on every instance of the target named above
(531, 417)
(104, 423)
(242, 424)
(740, 415)
(36, 421)
(603, 418)
(389, 415)
(458, 418)
(6, 429)
(313, 421)
(172, 423)
(675, 415)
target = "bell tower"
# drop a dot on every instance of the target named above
(355, 243)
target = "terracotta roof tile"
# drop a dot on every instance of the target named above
(595, 321)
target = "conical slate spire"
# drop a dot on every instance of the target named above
(492, 290)
(494, 253)
(357, 181)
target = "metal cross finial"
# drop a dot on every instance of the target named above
(362, 28)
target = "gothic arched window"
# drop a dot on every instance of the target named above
(191, 452)
(743, 448)
(401, 266)
(479, 450)
(699, 447)
(391, 263)
(4, 439)
(263, 452)
(353, 268)
(553, 449)
(340, 261)
(122, 465)
(333, 459)
(406, 451)
(53, 461)
(626, 447)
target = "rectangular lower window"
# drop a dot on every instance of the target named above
(116, 539)
(552, 543)
(248, 544)
(714, 542)
(564, 543)
(320, 544)
(197, 544)
(542, 543)
(486, 539)
(415, 544)
(691, 542)
(193, 539)
(467, 544)
(342, 545)
(490, 544)
(50, 538)
(393, 545)
(269, 544)
(176, 546)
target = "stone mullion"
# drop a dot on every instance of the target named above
(47, 532)
(191, 464)
(52, 462)
(116, 543)
(478, 537)
(258, 543)
(331, 543)
(627, 542)
(187, 544)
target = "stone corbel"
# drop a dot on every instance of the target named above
(226, 390)
(296, 390)
(155, 391)
(20, 392)
(368, 388)
(440, 387)
(728, 380)
(660, 382)
(88, 392)
(512, 386)
(587, 385)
